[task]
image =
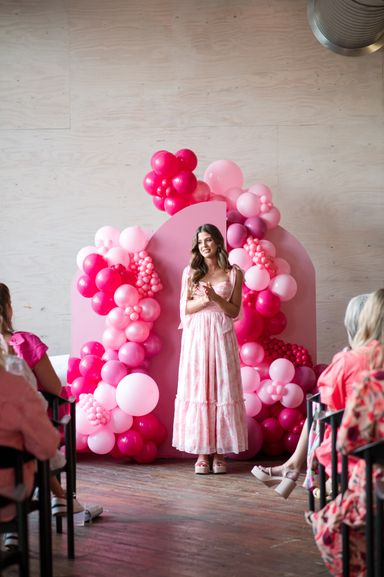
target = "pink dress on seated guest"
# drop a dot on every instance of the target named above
(28, 346)
(24, 425)
(209, 408)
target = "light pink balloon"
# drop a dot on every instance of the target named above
(83, 425)
(268, 247)
(263, 393)
(102, 442)
(118, 319)
(252, 404)
(240, 257)
(271, 218)
(256, 278)
(84, 252)
(132, 354)
(251, 353)
(222, 175)
(120, 421)
(133, 239)
(110, 355)
(113, 371)
(282, 266)
(261, 190)
(117, 255)
(150, 309)
(282, 370)
(250, 379)
(248, 204)
(137, 394)
(126, 296)
(106, 395)
(113, 338)
(284, 286)
(231, 195)
(138, 331)
(293, 396)
(107, 236)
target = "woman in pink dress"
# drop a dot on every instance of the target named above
(210, 418)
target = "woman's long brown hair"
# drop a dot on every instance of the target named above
(197, 263)
(5, 317)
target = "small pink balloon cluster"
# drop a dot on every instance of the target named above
(110, 378)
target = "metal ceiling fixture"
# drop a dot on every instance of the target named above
(348, 27)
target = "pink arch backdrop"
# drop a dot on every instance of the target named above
(170, 249)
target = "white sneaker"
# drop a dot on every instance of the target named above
(59, 506)
(11, 541)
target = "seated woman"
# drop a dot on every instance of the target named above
(337, 375)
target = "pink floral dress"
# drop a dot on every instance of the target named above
(209, 407)
(363, 423)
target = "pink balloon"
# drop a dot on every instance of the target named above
(184, 182)
(202, 192)
(83, 385)
(293, 396)
(276, 324)
(290, 441)
(248, 204)
(117, 255)
(252, 404)
(133, 239)
(151, 182)
(118, 319)
(250, 379)
(164, 163)
(263, 393)
(158, 202)
(147, 425)
(137, 394)
(222, 175)
(113, 338)
(81, 442)
(284, 286)
(161, 434)
(256, 227)
(126, 296)
(132, 354)
(83, 425)
(73, 370)
(255, 441)
(113, 371)
(152, 345)
(257, 279)
(92, 348)
(101, 442)
(138, 331)
(90, 367)
(261, 190)
(264, 413)
(272, 430)
(231, 196)
(120, 420)
(250, 326)
(282, 370)
(102, 303)
(187, 158)
(267, 303)
(271, 218)
(234, 216)
(240, 257)
(106, 395)
(305, 377)
(107, 236)
(282, 266)
(147, 454)
(150, 309)
(236, 235)
(289, 418)
(93, 263)
(173, 204)
(130, 443)
(86, 286)
(251, 353)
(110, 355)
(268, 247)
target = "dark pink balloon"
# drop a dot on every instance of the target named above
(147, 454)
(290, 441)
(92, 348)
(130, 443)
(276, 410)
(93, 263)
(234, 216)
(151, 182)
(73, 370)
(236, 235)
(184, 182)
(305, 377)
(256, 227)
(158, 202)
(267, 303)
(276, 324)
(202, 192)
(83, 385)
(152, 345)
(165, 163)
(319, 369)
(250, 327)
(272, 430)
(273, 449)
(173, 204)
(187, 158)
(108, 280)
(90, 367)
(86, 286)
(147, 426)
(265, 413)
(161, 434)
(289, 418)
(102, 303)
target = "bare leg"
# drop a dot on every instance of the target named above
(298, 457)
(56, 488)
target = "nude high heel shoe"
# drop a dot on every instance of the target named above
(265, 475)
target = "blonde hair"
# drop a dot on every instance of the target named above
(352, 315)
(371, 323)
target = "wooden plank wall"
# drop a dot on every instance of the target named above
(90, 89)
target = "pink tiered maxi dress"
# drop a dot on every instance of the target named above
(209, 407)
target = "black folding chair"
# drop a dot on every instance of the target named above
(379, 533)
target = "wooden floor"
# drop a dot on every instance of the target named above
(161, 520)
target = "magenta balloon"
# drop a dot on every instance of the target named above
(86, 286)
(319, 369)
(290, 441)
(187, 158)
(113, 371)
(93, 263)
(83, 385)
(265, 412)
(233, 216)
(255, 441)
(130, 443)
(132, 354)
(272, 430)
(158, 202)
(108, 280)
(165, 163)
(151, 182)
(173, 204)
(73, 370)
(92, 348)
(305, 377)
(90, 366)
(256, 227)
(150, 309)
(289, 418)
(236, 235)
(267, 304)
(184, 182)
(147, 425)
(102, 303)
(276, 324)
(147, 454)
(152, 345)
(250, 327)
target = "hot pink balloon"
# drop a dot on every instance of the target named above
(147, 425)
(113, 371)
(164, 163)
(81, 442)
(151, 182)
(158, 202)
(187, 158)
(93, 263)
(137, 394)
(132, 354)
(276, 324)
(248, 204)
(102, 303)
(267, 303)
(252, 404)
(250, 326)
(108, 280)
(272, 430)
(173, 204)
(130, 443)
(284, 286)
(293, 396)
(152, 345)
(101, 442)
(202, 192)
(257, 279)
(289, 418)
(150, 309)
(290, 441)
(92, 348)
(236, 235)
(90, 366)
(271, 218)
(251, 353)
(138, 331)
(222, 175)
(147, 454)
(126, 296)
(73, 370)
(83, 252)
(86, 286)
(282, 370)
(82, 386)
(113, 338)
(240, 257)
(120, 420)
(184, 182)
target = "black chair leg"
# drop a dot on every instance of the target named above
(45, 526)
